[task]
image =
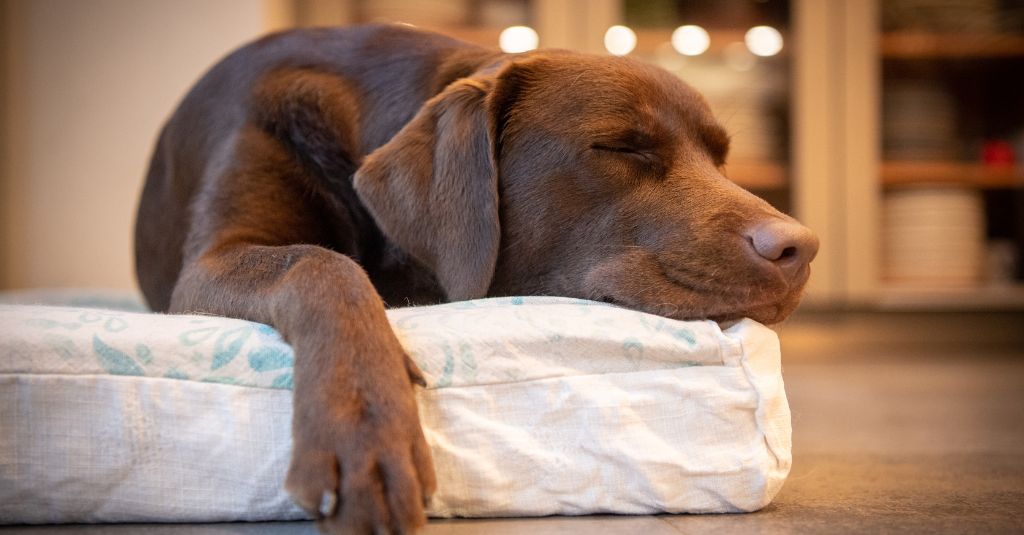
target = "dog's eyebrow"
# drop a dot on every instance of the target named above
(716, 139)
(629, 136)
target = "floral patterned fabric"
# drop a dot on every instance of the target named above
(535, 406)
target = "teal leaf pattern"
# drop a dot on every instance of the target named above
(283, 381)
(196, 336)
(175, 373)
(114, 361)
(634, 348)
(267, 358)
(115, 324)
(228, 345)
(495, 340)
(143, 353)
(449, 367)
(685, 335)
(61, 345)
(266, 330)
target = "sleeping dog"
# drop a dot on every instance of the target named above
(315, 177)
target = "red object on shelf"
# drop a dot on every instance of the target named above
(997, 153)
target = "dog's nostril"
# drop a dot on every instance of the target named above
(786, 243)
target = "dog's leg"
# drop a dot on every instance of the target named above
(360, 462)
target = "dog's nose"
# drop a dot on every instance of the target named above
(786, 243)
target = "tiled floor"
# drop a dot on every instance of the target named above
(901, 425)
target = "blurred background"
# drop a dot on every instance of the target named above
(893, 128)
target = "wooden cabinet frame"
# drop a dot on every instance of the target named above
(835, 103)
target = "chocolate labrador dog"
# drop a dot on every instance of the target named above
(314, 177)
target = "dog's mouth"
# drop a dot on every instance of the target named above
(647, 285)
(768, 313)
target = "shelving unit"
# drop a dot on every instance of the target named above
(938, 45)
(840, 173)
(995, 51)
(897, 174)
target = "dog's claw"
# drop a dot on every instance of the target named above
(328, 503)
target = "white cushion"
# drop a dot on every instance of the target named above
(536, 406)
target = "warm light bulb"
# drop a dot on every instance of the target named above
(763, 41)
(516, 39)
(691, 40)
(619, 40)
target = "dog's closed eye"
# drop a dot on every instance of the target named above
(624, 150)
(639, 155)
(632, 143)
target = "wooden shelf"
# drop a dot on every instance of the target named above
(909, 173)
(757, 175)
(1005, 297)
(929, 45)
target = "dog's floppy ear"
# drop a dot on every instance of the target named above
(433, 188)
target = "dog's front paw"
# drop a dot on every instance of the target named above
(360, 463)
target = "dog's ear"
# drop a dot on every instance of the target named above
(433, 188)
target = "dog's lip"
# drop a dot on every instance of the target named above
(645, 281)
(765, 292)
(738, 303)
(690, 312)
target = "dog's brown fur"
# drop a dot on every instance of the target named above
(314, 177)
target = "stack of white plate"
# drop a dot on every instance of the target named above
(919, 122)
(933, 236)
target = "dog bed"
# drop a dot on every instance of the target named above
(535, 406)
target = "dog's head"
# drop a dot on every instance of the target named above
(565, 174)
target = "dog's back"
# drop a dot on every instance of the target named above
(384, 72)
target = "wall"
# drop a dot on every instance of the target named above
(87, 85)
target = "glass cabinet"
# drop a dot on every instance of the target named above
(952, 145)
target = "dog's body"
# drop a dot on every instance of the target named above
(344, 77)
(313, 176)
